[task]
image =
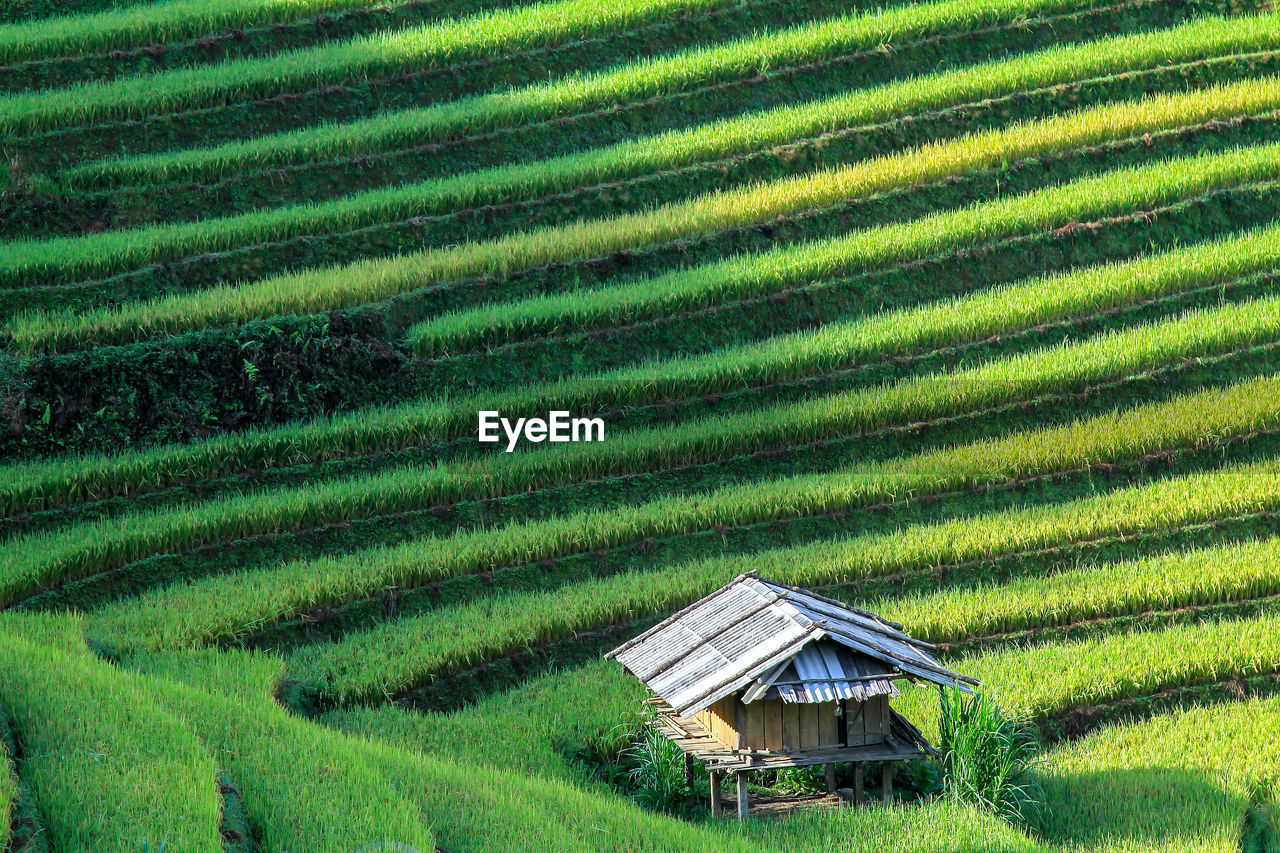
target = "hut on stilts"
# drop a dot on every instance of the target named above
(762, 675)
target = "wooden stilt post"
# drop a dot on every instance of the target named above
(744, 801)
(886, 783)
(715, 793)
(829, 771)
(857, 783)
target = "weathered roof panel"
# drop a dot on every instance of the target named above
(752, 630)
(824, 671)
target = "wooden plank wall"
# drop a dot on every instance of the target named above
(867, 722)
(775, 726)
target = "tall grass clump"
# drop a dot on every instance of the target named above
(1114, 193)
(905, 331)
(988, 758)
(643, 78)
(657, 777)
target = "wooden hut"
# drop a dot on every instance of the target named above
(763, 675)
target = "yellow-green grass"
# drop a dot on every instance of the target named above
(394, 657)
(1236, 572)
(1043, 681)
(8, 790)
(1114, 193)
(106, 252)
(376, 55)
(531, 727)
(934, 826)
(749, 276)
(43, 485)
(644, 78)
(1176, 782)
(470, 808)
(221, 609)
(89, 733)
(147, 23)
(117, 761)
(56, 556)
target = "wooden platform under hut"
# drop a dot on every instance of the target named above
(761, 675)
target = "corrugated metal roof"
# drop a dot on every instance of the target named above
(751, 631)
(824, 671)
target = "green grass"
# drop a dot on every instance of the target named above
(379, 54)
(116, 751)
(1096, 197)
(394, 657)
(116, 250)
(27, 487)
(535, 727)
(799, 265)
(305, 788)
(1195, 773)
(933, 827)
(116, 760)
(82, 549)
(1237, 572)
(1042, 681)
(145, 24)
(469, 808)
(8, 786)
(223, 608)
(647, 77)
(90, 733)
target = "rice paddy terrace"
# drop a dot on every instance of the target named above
(967, 311)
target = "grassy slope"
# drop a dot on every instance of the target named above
(147, 23)
(1176, 782)
(573, 95)
(85, 729)
(1124, 191)
(79, 550)
(147, 752)
(1197, 769)
(379, 54)
(44, 485)
(150, 737)
(391, 658)
(220, 609)
(806, 263)
(114, 251)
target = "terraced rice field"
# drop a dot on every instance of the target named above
(965, 311)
